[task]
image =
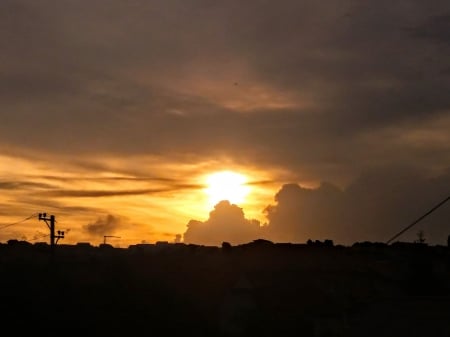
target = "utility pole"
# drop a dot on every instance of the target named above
(50, 222)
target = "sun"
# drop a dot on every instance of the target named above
(226, 185)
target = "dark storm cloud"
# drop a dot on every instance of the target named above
(364, 81)
(374, 207)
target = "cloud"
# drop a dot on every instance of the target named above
(178, 238)
(321, 90)
(435, 28)
(302, 213)
(226, 222)
(49, 205)
(101, 193)
(19, 185)
(100, 178)
(321, 77)
(374, 207)
(108, 224)
(113, 193)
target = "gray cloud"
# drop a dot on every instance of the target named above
(106, 225)
(364, 84)
(71, 68)
(374, 207)
(436, 28)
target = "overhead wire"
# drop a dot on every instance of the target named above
(419, 219)
(18, 222)
(39, 237)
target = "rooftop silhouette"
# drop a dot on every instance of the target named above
(260, 288)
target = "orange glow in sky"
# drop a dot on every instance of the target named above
(149, 204)
(226, 185)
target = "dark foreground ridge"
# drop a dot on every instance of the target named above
(255, 289)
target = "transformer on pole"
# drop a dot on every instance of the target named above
(50, 222)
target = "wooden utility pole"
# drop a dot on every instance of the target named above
(50, 221)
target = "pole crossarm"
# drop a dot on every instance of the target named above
(43, 216)
(50, 222)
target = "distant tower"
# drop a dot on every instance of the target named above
(420, 237)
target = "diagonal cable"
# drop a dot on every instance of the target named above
(419, 219)
(18, 222)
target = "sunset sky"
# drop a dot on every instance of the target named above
(115, 116)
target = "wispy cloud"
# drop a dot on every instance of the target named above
(103, 193)
(136, 101)
(21, 185)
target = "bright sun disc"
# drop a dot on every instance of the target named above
(226, 185)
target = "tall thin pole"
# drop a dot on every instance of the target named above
(50, 222)
(419, 219)
(52, 231)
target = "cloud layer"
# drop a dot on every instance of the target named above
(316, 90)
(303, 84)
(374, 207)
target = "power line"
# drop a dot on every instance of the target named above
(50, 222)
(39, 237)
(423, 216)
(18, 222)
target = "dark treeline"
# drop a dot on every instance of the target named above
(255, 289)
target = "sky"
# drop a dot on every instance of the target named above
(113, 114)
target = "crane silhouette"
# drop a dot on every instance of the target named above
(109, 236)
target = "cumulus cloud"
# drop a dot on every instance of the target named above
(320, 89)
(374, 207)
(226, 222)
(301, 213)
